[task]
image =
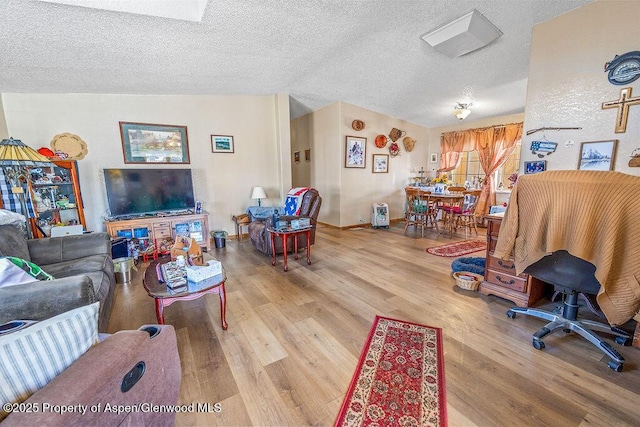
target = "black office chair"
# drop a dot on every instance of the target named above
(571, 275)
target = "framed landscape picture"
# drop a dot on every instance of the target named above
(535, 166)
(355, 152)
(597, 155)
(150, 143)
(380, 163)
(222, 144)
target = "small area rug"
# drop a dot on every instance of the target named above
(399, 379)
(458, 248)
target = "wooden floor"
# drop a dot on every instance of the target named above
(294, 339)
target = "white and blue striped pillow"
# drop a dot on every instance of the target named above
(33, 356)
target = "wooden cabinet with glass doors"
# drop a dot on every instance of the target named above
(56, 196)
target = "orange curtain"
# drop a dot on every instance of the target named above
(452, 145)
(494, 144)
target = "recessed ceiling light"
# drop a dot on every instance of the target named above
(463, 35)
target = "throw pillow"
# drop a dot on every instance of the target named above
(16, 271)
(33, 356)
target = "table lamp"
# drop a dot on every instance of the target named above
(15, 158)
(258, 193)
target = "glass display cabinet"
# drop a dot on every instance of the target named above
(56, 196)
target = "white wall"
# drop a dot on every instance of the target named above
(4, 133)
(222, 181)
(319, 132)
(567, 82)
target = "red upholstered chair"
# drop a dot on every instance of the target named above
(466, 217)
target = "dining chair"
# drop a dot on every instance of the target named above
(448, 204)
(417, 212)
(467, 217)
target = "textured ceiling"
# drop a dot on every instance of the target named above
(366, 53)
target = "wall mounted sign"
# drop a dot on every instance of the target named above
(622, 104)
(623, 69)
(539, 147)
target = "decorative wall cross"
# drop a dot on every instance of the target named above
(622, 104)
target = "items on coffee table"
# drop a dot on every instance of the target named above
(189, 248)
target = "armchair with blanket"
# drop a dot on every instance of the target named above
(305, 203)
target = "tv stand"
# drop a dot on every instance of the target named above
(154, 228)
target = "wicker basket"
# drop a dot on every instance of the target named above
(467, 280)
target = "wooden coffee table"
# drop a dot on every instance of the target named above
(284, 235)
(164, 297)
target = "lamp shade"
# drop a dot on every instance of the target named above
(258, 193)
(14, 152)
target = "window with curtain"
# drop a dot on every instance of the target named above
(470, 169)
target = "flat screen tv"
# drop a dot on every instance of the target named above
(142, 191)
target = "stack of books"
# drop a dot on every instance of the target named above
(175, 276)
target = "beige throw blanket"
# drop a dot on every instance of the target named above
(594, 215)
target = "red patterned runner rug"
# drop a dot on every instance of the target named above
(399, 379)
(458, 248)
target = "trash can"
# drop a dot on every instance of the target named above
(220, 238)
(122, 268)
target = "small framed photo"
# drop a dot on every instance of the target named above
(380, 163)
(296, 156)
(150, 143)
(597, 155)
(355, 152)
(222, 144)
(535, 166)
(434, 157)
(307, 155)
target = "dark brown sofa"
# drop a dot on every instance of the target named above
(261, 238)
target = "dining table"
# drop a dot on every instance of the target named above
(451, 200)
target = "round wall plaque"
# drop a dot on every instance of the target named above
(71, 144)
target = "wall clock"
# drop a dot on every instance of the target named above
(623, 69)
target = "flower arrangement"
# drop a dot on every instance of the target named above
(441, 179)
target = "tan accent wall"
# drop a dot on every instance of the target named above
(349, 193)
(567, 83)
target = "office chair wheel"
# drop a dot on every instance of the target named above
(511, 314)
(623, 341)
(616, 366)
(537, 344)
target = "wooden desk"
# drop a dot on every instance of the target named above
(500, 277)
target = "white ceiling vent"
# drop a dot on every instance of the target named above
(463, 35)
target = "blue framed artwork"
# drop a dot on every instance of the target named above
(222, 144)
(149, 143)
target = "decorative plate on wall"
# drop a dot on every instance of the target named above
(71, 144)
(381, 141)
(357, 125)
